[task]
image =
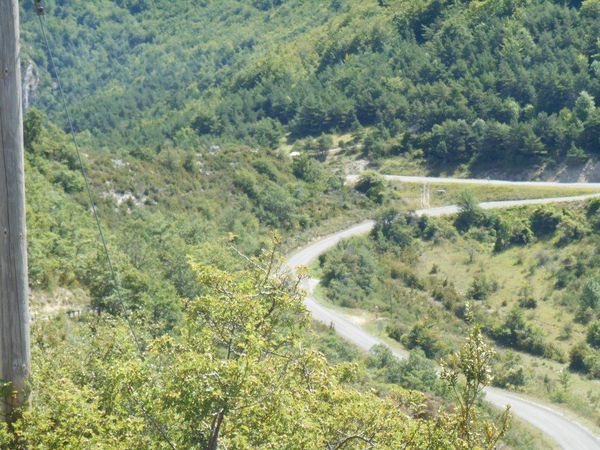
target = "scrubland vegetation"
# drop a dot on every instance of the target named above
(529, 275)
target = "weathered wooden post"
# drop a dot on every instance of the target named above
(15, 355)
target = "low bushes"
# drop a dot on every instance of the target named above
(422, 336)
(585, 359)
(515, 333)
(372, 185)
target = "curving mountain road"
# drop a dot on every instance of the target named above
(565, 431)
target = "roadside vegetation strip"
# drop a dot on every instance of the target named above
(453, 209)
(441, 194)
(429, 192)
(481, 182)
(566, 432)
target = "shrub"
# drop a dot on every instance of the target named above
(417, 373)
(570, 230)
(509, 373)
(266, 167)
(428, 227)
(518, 334)
(544, 222)
(589, 300)
(585, 359)
(266, 133)
(392, 227)
(373, 146)
(481, 234)
(590, 296)
(276, 206)
(422, 336)
(32, 128)
(526, 299)
(400, 235)
(528, 303)
(593, 335)
(432, 228)
(381, 357)
(470, 214)
(307, 169)
(70, 180)
(207, 122)
(399, 271)
(395, 331)
(562, 278)
(372, 185)
(481, 288)
(349, 272)
(511, 232)
(584, 315)
(445, 293)
(592, 207)
(521, 235)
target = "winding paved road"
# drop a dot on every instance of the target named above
(569, 434)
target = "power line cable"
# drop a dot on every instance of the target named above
(88, 188)
(41, 16)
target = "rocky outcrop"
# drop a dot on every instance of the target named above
(31, 82)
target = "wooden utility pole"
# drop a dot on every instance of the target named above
(15, 355)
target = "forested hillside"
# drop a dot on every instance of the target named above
(186, 113)
(200, 343)
(479, 82)
(162, 209)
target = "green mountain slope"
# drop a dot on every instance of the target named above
(183, 110)
(466, 81)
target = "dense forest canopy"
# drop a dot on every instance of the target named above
(478, 81)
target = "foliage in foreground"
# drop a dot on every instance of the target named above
(233, 374)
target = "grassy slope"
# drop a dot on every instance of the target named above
(532, 267)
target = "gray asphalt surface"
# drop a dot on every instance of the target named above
(569, 434)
